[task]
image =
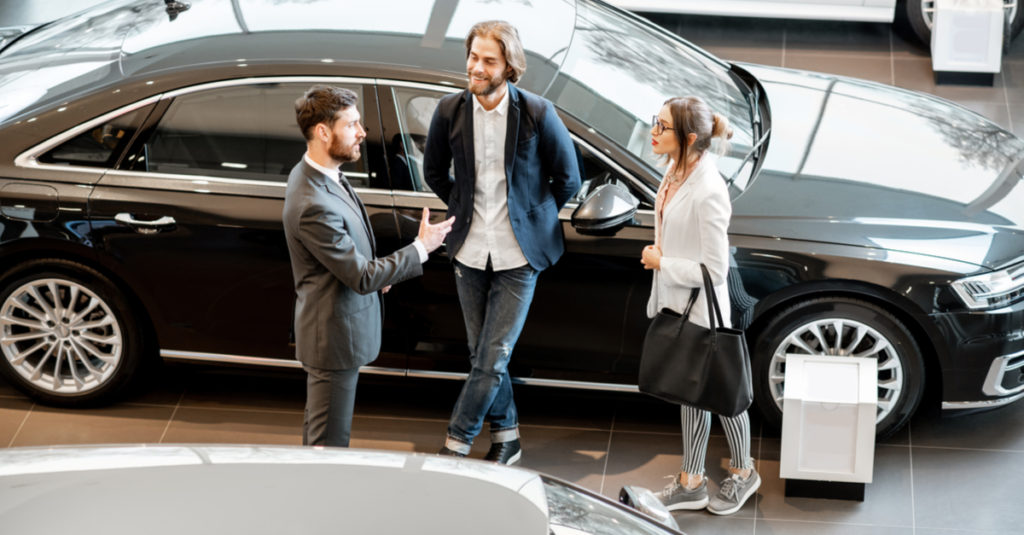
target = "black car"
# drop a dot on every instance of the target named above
(144, 151)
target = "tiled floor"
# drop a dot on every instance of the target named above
(936, 477)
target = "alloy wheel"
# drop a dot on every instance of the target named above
(60, 336)
(841, 337)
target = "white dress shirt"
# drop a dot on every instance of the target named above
(490, 232)
(335, 175)
(693, 230)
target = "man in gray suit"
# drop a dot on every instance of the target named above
(338, 277)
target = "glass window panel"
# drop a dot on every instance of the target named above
(99, 146)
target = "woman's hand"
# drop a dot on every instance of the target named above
(651, 257)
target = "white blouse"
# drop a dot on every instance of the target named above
(693, 230)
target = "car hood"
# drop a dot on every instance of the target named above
(859, 163)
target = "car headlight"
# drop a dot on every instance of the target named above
(993, 289)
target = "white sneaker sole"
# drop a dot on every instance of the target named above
(743, 500)
(688, 506)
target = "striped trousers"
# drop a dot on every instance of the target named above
(697, 429)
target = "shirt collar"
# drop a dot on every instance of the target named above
(331, 173)
(500, 109)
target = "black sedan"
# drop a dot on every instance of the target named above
(144, 151)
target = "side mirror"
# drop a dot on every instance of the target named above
(605, 210)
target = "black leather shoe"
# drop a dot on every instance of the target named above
(450, 453)
(505, 452)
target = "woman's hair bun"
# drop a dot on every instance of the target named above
(720, 126)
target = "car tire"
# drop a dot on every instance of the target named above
(919, 19)
(810, 328)
(67, 335)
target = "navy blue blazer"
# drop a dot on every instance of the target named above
(541, 169)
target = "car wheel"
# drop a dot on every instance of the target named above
(920, 15)
(841, 327)
(67, 335)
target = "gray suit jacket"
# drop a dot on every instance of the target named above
(337, 275)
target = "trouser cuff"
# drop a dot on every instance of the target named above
(457, 445)
(504, 435)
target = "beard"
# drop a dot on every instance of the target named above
(342, 153)
(492, 85)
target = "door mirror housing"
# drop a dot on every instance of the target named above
(605, 210)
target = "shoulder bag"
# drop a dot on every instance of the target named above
(707, 368)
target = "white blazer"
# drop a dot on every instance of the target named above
(694, 230)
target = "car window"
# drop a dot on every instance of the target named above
(414, 109)
(246, 132)
(99, 146)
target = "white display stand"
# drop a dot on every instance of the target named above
(967, 41)
(828, 426)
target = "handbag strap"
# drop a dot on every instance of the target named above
(714, 311)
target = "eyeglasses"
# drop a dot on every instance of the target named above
(658, 126)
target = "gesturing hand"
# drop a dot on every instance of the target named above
(433, 235)
(651, 257)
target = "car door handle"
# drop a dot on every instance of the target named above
(145, 226)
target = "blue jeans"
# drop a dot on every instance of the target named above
(494, 306)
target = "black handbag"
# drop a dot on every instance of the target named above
(707, 368)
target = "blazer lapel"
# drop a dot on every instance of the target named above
(469, 140)
(348, 196)
(511, 133)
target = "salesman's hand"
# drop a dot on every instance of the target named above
(433, 235)
(651, 257)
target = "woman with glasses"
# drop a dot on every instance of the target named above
(692, 212)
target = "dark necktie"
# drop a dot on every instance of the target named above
(362, 209)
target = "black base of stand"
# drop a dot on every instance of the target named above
(803, 488)
(965, 78)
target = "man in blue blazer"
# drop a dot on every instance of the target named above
(515, 167)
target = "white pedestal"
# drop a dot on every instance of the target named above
(828, 419)
(967, 41)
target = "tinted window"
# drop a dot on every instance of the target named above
(415, 108)
(595, 172)
(246, 132)
(100, 146)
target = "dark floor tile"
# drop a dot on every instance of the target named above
(906, 45)
(249, 389)
(748, 54)
(999, 429)
(404, 434)
(917, 74)
(876, 68)
(788, 527)
(1013, 80)
(192, 425)
(406, 397)
(571, 454)
(705, 523)
(116, 424)
(997, 112)
(968, 489)
(887, 500)
(706, 31)
(836, 38)
(12, 415)
(1017, 118)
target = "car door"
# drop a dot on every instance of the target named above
(579, 327)
(194, 215)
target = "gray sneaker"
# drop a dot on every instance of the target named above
(733, 493)
(678, 498)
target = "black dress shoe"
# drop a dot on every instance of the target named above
(450, 453)
(505, 452)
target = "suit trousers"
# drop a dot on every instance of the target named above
(330, 401)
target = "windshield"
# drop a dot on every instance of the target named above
(63, 58)
(618, 72)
